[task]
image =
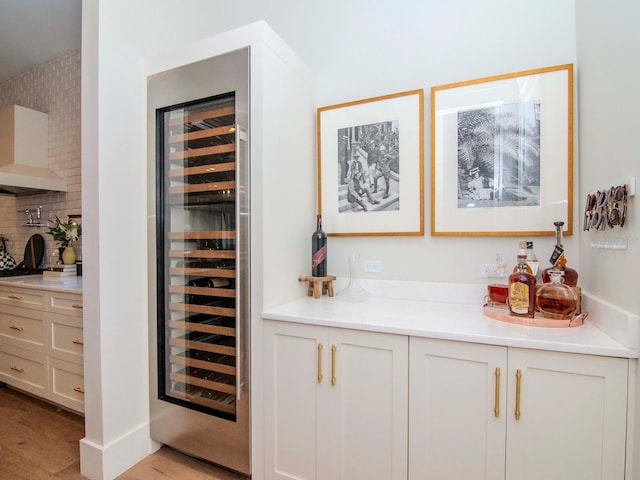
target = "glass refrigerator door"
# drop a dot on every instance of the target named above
(197, 278)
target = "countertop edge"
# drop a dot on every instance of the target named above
(443, 321)
(36, 282)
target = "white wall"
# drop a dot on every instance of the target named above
(357, 49)
(363, 48)
(609, 75)
(608, 79)
(115, 273)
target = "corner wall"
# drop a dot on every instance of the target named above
(608, 78)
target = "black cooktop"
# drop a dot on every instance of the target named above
(19, 272)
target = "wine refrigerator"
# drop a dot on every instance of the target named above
(200, 395)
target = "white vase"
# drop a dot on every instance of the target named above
(69, 256)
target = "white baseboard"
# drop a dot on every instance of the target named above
(106, 462)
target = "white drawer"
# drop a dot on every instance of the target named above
(66, 341)
(19, 297)
(22, 328)
(24, 370)
(65, 303)
(67, 384)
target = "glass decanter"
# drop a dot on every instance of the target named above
(555, 299)
(353, 290)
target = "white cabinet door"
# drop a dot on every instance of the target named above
(66, 381)
(565, 414)
(456, 410)
(336, 403)
(291, 372)
(368, 406)
(572, 420)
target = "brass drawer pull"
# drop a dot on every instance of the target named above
(17, 369)
(333, 364)
(496, 407)
(518, 388)
(78, 341)
(15, 297)
(76, 305)
(320, 347)
(79, 390)
(13, 327)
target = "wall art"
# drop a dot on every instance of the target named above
(371, 167)
(502, 154)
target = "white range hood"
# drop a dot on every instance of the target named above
(24, 153)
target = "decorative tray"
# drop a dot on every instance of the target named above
(538, 321)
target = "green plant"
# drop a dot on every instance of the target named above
(65, 233)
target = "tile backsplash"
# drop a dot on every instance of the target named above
(53, 88)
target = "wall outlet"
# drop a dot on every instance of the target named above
(372, 266)
(491, 270)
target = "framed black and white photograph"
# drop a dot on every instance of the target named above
(370, 166)
(502, 154)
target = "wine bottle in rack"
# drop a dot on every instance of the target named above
(319, 250)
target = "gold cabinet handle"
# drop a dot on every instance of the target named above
(15, 297)
(496, 407)
(333, 364)
(79, 390)
(17, 369)
(76, 305)
(78, 341)
(320, 347)
(14, 327)
(518, 386)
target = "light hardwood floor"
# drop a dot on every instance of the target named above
(39, 441)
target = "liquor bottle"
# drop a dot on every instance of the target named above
(559, 261)
(319, 250)
(555, 299)
(523, 246)
(522, 289)
(532, 260)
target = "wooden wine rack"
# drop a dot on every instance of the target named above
(200, 324)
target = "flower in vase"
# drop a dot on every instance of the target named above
(65, 233)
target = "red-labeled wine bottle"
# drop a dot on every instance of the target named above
(319, 251)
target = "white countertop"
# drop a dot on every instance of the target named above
(67, 284)
(433, 310)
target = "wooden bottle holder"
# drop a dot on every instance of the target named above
(319, 284)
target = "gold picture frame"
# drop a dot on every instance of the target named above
(371, 166)
(502, 154)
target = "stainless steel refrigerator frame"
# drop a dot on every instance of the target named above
(220, 440)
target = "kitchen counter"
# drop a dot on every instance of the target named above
(454, 312)
(68, 284)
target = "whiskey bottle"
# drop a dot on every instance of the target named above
(559, 261)
(522, 289)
